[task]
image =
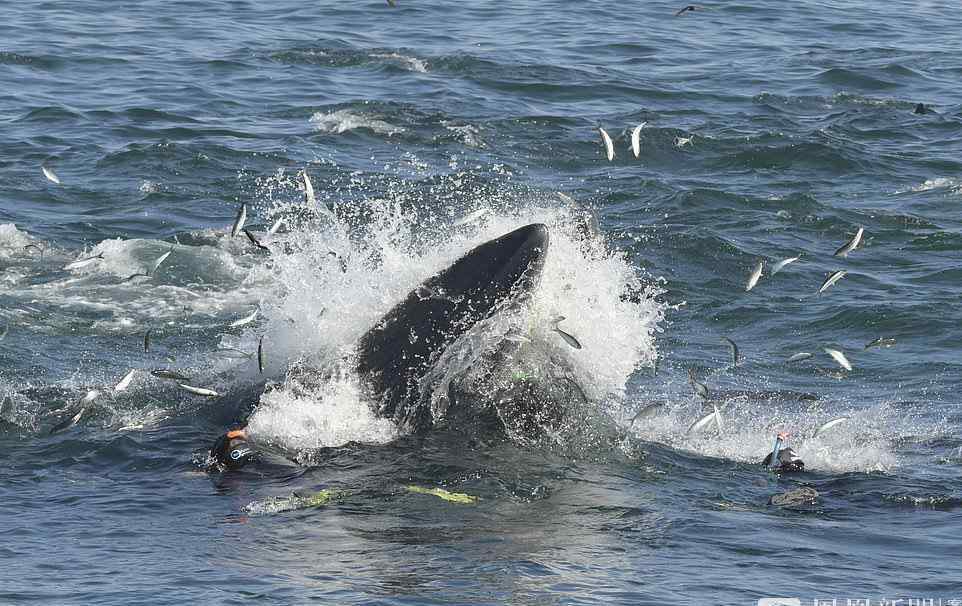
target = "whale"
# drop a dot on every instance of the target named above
(405, 359)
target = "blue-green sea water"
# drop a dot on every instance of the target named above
(771, 131)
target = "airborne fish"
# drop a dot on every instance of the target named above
(755, 276)
(699, 387)
(734, 349)
(609, 145)
(781, 264)
(244, 320)
(254, 241)
(260, 355)
(829, 425)
(200, 391)
(309, 197)
(647, 412)
(704, 421)
(851, 244)
(636, 139)
(470, 217)
(125, 382)
(173, 375)
(160, 260)
(802, 355)
(831, 279)
(880, 342)
(276, 225)
(239, 220)
(147, 340)
(84, 262)
(50, 175)
(838, 357)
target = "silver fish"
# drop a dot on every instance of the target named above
(173, 375)
(802, 355)
(70, 422)
(471, 217)
(569, 339)
(831, 279)
(755, 276)
(829, 425)
(647, 412)
(37, 246)
(683, 141)
(125, 382)
(781, 264)
(254, 241)
(734, 349)
(200, 391)
(231, 352)
(309, 197)
(50, 175)
(245, 319)
(880, 342)
(718, 419)
(239, 220)
(260, 355)
(132, 276)
(276, 226)
(565, 198)
(160, 260)
(699, 387)
(609, 146)
(704, 421)
(636, 139)
(838, 357)
(84, 262)
(851, 244)
(147, 340)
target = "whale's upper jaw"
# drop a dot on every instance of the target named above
(398, 351)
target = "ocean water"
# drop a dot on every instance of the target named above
(771, 131)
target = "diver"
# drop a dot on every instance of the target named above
(231, 451)
(782, 459)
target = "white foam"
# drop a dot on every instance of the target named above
(865, 443)
(951, 184)
(344, 120)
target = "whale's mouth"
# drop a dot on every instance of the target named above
(400, 350)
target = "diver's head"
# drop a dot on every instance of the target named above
(231, 451)
(782, 458)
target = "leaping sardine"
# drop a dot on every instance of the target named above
(755, 276)
(609, 145)
(309, 197)
(239, 220)
(244, 320)
(851, 244)
(200, 391)
(838, 357)
(781, 264)
(829, 425)
(880, 342)
(260, 355)
(831, 279)
(700, 389)
(734, 349)
(254, 241)
(636, 139)
(802, 355)
(160, 260)
(125, 382)
(276, 226)
(647, 412)
(704, 421)
(84, 262)
(50, 175)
